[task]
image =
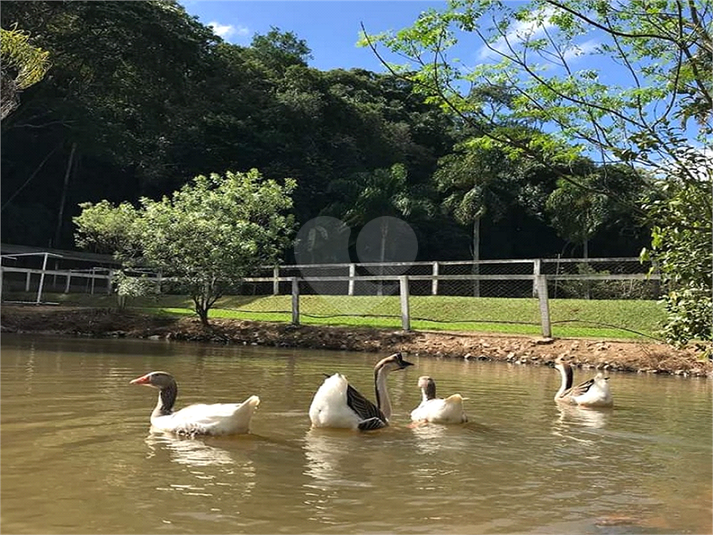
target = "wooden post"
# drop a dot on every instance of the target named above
(110, 276)
(69, 278)
(434, 282)
(405, 315)
(295, 301)
(536, 267)
(352, 274)
(276, 280)
(93, 280)
(541, 281)
(42, 279)
(27, 281)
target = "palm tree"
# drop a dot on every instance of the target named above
(380, 196)
(475, 180)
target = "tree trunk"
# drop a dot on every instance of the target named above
(476, 255)
(201, 308)
(382, 255)
(587, 283)
(63, 200)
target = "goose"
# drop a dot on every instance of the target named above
(338, 404)
(438, 410)
(592, 393)
(198, 419)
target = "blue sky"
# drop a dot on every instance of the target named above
(330, 28)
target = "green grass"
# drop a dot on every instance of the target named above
(569, 317)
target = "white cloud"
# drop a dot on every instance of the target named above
(581, 50)
(522, 30)
(226, 31)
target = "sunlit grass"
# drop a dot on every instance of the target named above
(569, 317)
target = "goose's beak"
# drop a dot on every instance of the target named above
(405, 363)
(143, 380)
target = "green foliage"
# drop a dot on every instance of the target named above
(21, 64)
(682, 250)
(654, 114)
(206, 238)
(575, 213)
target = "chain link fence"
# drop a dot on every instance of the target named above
(458, 295)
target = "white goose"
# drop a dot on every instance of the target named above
(198, 419)
(592, 393)
(338, 404)
(438, 410)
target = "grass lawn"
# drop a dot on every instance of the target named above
(569, 317)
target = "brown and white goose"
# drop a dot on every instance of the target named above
(592, 393)
(198, 419)
(338, 404)
(437, 410)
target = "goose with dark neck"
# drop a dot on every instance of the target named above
(198, 419)
(337, 404)
(594, 392)
(438, 410)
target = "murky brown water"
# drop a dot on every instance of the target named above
(77, 455)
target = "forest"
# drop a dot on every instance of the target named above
(140, 97)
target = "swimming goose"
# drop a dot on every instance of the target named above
(198, 419)
(592, 393)
(437, 410)
(338, 404)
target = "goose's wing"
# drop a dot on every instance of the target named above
(362, 406)
(579, 389)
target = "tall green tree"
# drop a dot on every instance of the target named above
(656, 111)
(21, 65)
(207, 236)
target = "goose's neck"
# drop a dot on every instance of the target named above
(166, 399)
(383, 401)
(429, 391)
(567, 378)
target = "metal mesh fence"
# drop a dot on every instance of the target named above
(440, 294)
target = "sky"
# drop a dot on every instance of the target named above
(330, 28)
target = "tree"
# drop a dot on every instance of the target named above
(681, 251)
(207, 236)
(21, 65)
(474, 180)
(657, 110)
(577, 215)
(381, 196)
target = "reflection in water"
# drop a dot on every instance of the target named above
(326, 454)
(188, 451)
(429, 437)
(576, 416)
(210, 466)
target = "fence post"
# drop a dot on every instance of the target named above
(295, 301)
(93, 279)
(276, 280)
(69, 278)
(42, 279)
(541, 282)
(405, 315)
(434, 282)
(27, 281)
(109, 280)
(352, 274)
(536, 267)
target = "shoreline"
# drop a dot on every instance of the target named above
(616, 355)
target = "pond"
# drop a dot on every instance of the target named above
(78, 457)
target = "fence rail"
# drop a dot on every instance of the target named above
(539, 279)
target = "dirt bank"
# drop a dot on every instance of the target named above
(609, 354)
